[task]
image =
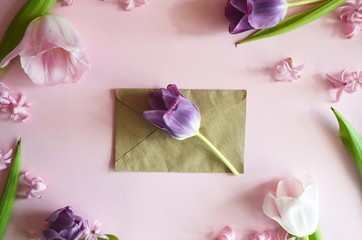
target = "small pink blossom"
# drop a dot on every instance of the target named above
(286, 71)
(4, 98)
(17, 108)
(66, 3)
(350, 15)
(131, 4)
(93, 232)
(29, 186)
(2, 85)
(5, 159)
(226, 234)
(349, 82)
(279, 234)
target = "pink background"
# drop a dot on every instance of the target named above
(291, 130)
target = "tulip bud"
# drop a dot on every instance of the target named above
(294, 206)
(173, 113)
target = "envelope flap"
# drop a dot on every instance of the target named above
(135, 99)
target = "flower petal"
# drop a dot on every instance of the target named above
(52, 67)
(183, 121)
(270, 207)
(155, 100)
(226, 234)
(174, 90)
(266, 13)
(300, 218)
(238, 20)
(290, 187)
(168, 97)
(155, 117)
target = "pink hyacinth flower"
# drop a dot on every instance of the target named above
(346, 82)
(285, 71)
(131, 4)
(66, 3)
(93, 231)
(279, 234)
(17, 108)
(4, 99)
(5, 159)
(350, 15)
(51, 52)
(30, 186)
(226, 234)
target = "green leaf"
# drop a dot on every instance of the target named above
(110, 237)
(15, 32)
(9, 194)
(294, 22)
(351, 139)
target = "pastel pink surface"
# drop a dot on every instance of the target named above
(291, 131)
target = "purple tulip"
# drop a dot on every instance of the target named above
(173, 113)
(63, 225)
(245, 15)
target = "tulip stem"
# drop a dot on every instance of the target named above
(305, 238)
(303, 2)
(318, 234)
(217, 153)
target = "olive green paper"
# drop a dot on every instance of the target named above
(141, 147)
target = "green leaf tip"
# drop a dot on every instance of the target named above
(351, 139)
(110, 237)
(15, 32)
(9, 193)
(294, 22)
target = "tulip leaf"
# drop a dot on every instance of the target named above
(295, 21)
(9, 193)
(15, 32)
(351, 139)
(110, 237)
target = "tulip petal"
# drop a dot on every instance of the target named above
(50, 234)
(155, 117)
(168, 97)
(52, 67)
(266, 13)
(300, 218)
(290, 187)
(239, 5)
(174, 90)
(183, 121)
(54, 32)
(238, 21)
(155, 100)
(270, 207)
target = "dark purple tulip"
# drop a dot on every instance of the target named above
(173, 113)
(63, 225)
(244, 15)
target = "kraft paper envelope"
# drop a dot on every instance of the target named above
(142, 147)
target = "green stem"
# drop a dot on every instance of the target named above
(318, 234)
(305, 238)
(217, 153)
(303, 2)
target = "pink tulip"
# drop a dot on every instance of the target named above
(51, 52)
(294, 206)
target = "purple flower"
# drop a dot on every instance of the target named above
(245, 15)
(63, 225)
(173, 113)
